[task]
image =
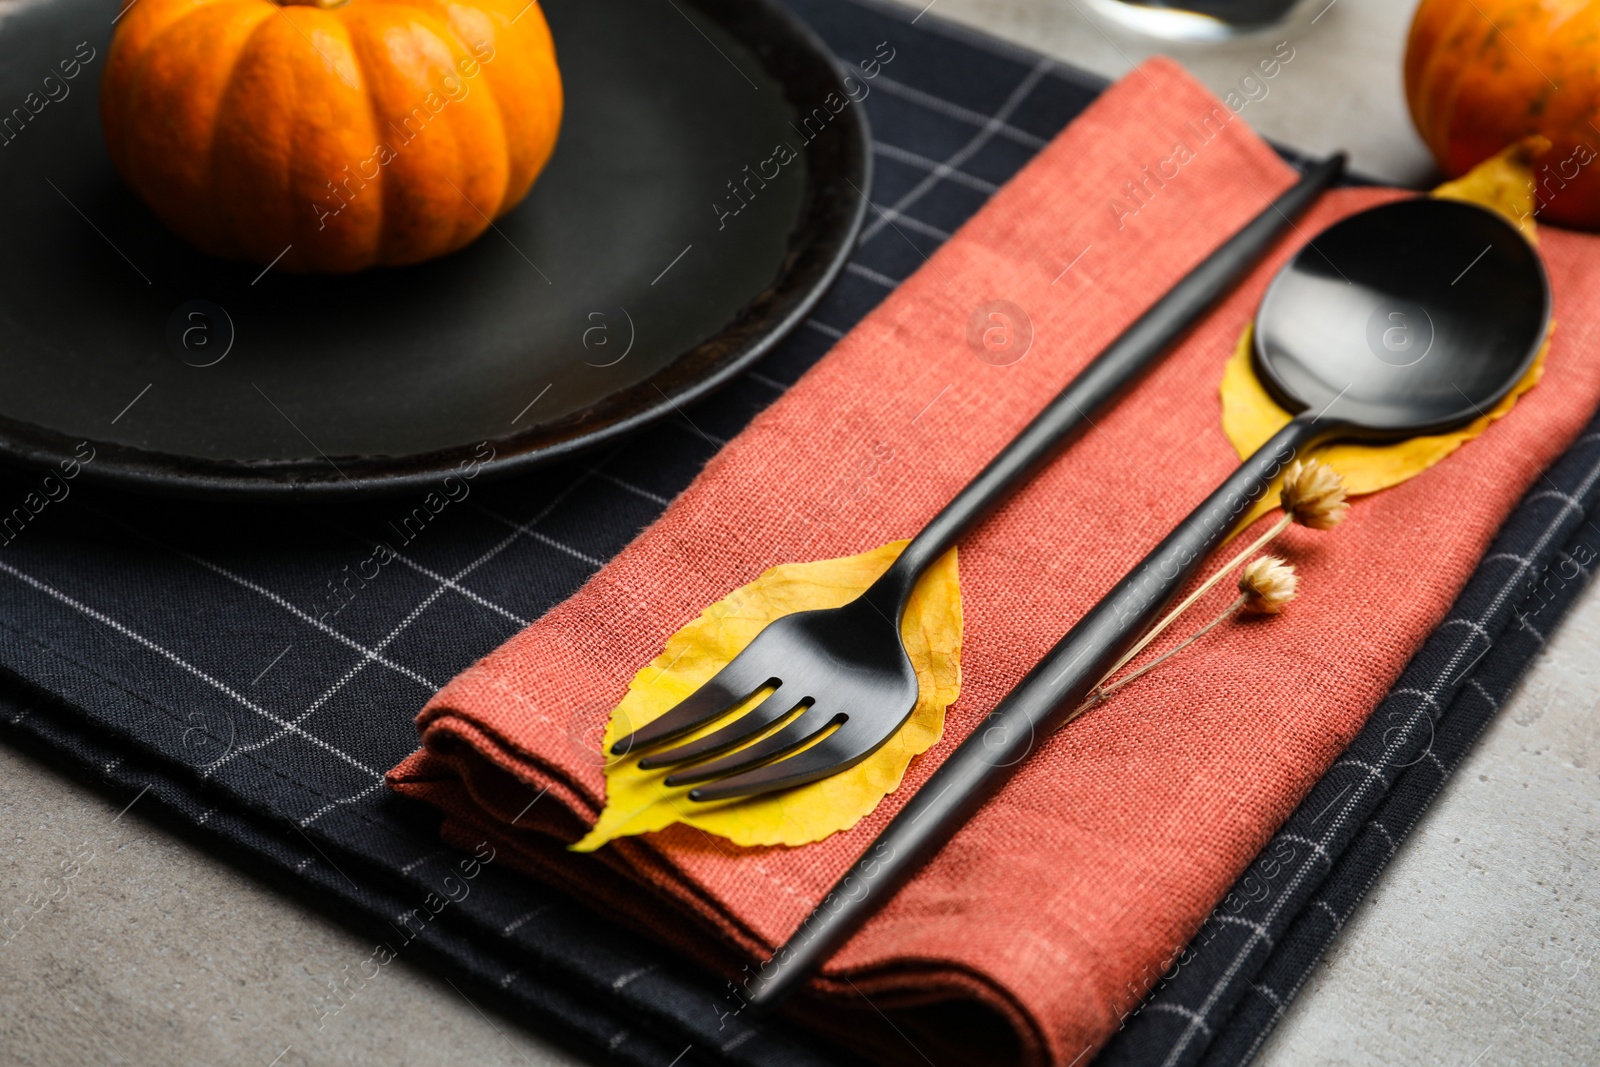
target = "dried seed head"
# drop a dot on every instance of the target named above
(1267, 584)
(1313, 495)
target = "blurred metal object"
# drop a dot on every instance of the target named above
(1205, 20)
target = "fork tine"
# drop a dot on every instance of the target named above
(734, 683)
(810, 723)
(839, 751)
(774, 707)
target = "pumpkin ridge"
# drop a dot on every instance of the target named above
(364, 242)
(210, 218)
(116, 99)
(222, 223)
(375, 252)
(538, 48)
(298, 149)
(487, 86)
(471, 226)
(466, 155)
(369, 25)
(255, 43)
(526, 45)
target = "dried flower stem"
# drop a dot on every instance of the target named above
(1102, 691)
(1312, 494)
(1205, 587)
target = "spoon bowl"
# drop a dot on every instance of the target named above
(1410, 318)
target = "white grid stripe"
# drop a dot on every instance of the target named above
(875, 277)
(921, 162)
(527, 529)
(824, 329)
(907, 222)
(400, 627)
(373, 655)
(654, 498)
(447, 582)
(955, 111)
(351, 799)
(990, 127)
(177, 660)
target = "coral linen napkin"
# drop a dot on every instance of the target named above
(1038, 928)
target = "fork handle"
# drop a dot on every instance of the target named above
(1044, 699)
(1111, 372)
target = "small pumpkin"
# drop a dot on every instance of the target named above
(336, 136)
(1483, 74)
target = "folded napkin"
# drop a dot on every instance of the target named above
(1030, 936)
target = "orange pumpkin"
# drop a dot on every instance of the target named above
(337, 136)
(1482, 74)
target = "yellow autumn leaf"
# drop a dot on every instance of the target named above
(1250, 416)
(1503, 183)
(638, 802)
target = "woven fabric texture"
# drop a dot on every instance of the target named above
(169, 654)
(1101, 858)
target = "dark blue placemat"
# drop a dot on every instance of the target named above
(221, 667)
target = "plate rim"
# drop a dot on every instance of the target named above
(802, 281)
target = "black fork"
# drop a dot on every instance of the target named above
(841, 681)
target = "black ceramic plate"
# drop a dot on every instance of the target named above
(622, 288)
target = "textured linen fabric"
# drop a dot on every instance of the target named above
(140, 640)
(1102, 857)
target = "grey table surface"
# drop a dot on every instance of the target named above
(1477, 947)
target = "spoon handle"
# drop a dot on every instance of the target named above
(1111, 372)
(1041, 701)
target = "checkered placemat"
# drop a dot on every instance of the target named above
(242, 674)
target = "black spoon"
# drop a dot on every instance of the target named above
(1406, 319)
